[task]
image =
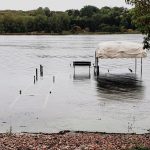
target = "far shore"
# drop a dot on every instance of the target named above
(70, 140)
(70, 33)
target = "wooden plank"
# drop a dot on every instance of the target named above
(81, 63)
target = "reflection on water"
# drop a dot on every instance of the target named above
(120, 86)
(81, 77)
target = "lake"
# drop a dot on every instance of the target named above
(61, 101)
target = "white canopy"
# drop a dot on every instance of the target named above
(120, 49)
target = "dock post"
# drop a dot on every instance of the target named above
(141, 67)
(34, 79)
(20, 92)
(36, 74)
(53, 79)
(135, 65)
(41, 70)
(97, 67)
(74, 70)
(97, 70)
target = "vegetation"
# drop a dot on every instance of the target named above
(142, 18)
(140, 148)
(88, 19)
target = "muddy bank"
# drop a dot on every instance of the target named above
(67, 140)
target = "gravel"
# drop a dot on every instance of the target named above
(67, 140)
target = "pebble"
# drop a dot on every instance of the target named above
(73, 141)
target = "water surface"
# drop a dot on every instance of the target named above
(75, 103)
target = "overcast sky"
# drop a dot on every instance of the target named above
(58, 4)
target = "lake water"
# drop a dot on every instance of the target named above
(75, 103)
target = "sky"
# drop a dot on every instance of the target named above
(56, 5)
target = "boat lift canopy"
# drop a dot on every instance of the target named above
(119, 49)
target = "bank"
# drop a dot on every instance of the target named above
(71, 33)
(69, 140)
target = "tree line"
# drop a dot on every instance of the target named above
(87, 19)
(142, 18)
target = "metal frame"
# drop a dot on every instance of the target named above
(96, 67)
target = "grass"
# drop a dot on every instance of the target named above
(140, 148)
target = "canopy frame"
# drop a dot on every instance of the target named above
(97, 70)
(119, 49)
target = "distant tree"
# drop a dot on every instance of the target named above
(89, 18)
(76, 13)
(47, 11)
(70, 12)
(108, 28)
(73, 12)
(105, 10)
(88, 11)
(29, 23)
(19, 24)
(40, 22)
(1, 25)
(40, 11)
(142, 18)
(8, 23)
(59, 22)
(127, 20)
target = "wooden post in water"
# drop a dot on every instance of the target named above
(20, 92)
(135, 65)
(95, 65)
(36, 74)
(41, 70)
(34, 79)
(74, 70)
(53, 79)
(89, 71)
(97, 68)
(141, 67)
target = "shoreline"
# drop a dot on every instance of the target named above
(72, 131)
(69, 33)
(74, 140)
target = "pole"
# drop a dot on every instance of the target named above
(97, 68)
(135, 65)
(74, 70)
(34, 79)
(41, 70)
(95, 65)
(89, 71)
(141, 67)
(53, 79)
(36, 74)
(95, 58)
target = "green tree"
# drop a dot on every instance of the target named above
(29, 23)
(1, 25)
(40, 11)
(59, 22)
(47, 11)
(89, 18)
(88, 11)
(142, 18)
(73, 12)
(40, 22)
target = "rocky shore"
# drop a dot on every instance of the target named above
(67, 140)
